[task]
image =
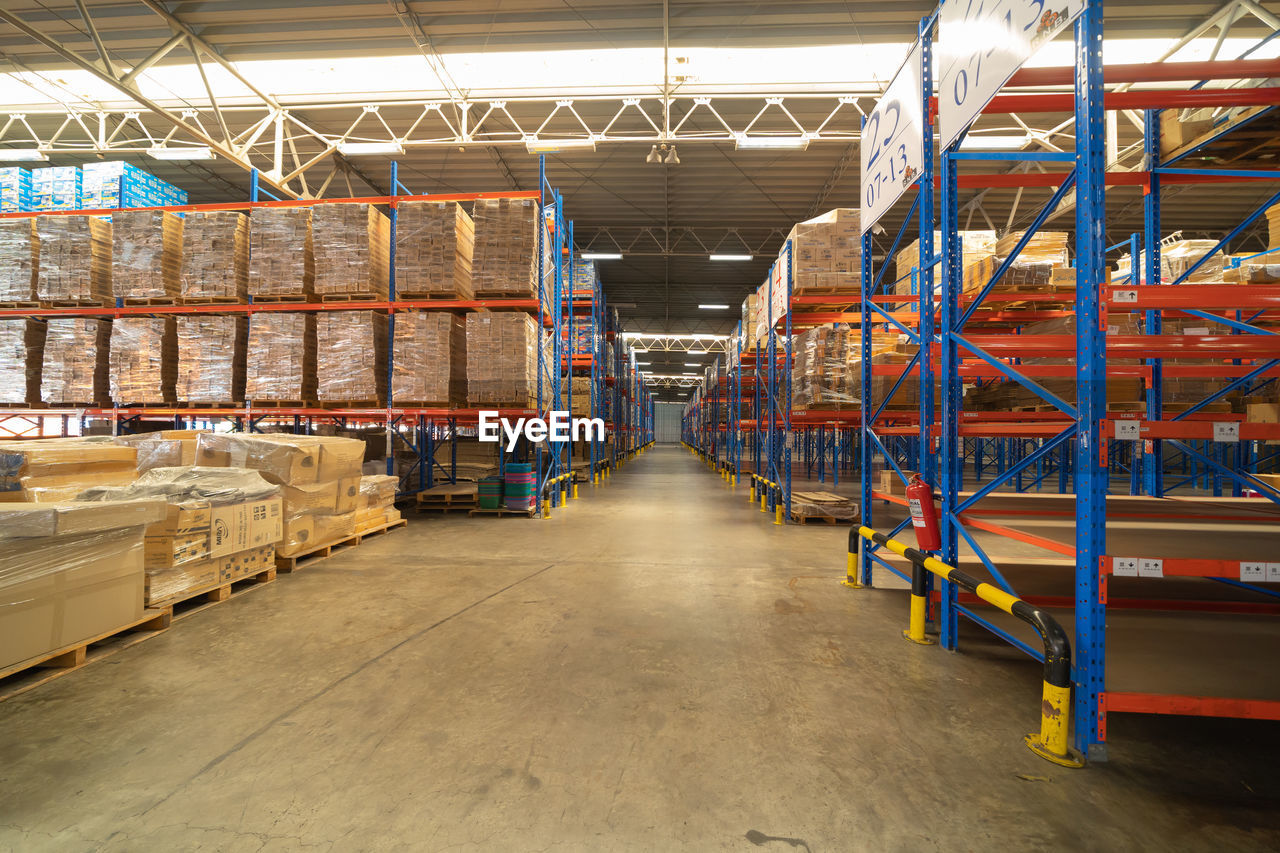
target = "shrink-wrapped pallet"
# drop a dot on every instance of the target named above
(1178, 256)
(377, 502)
(211, 358)
(973, 244)
(435, 241)
(1033, 270)
(502, 360)
(146, 252)
(144, 360)
(319, 478)
(58, 469)
(75, 361)
(21, 357)
(19, 259)
(75, 259)
(215, 256)
(430, 359)
(351, 357)
(281, 264)
(506, 247)
(69, 574)
(352, 250)
(220, 525)
(281, 363)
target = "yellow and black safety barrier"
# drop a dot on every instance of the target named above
(560, 484)
(1055, 707)
(760, 487)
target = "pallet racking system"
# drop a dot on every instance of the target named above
(425, 431)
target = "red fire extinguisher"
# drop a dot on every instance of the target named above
(924, 518)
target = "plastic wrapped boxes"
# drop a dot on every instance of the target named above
(57, 188)
(144, 360)
(75, 361)
(351, 357)
(826, 253)
(211, 358)
(145, 255)
(21, 357)
(502, 360)
(281, 364)
(15, 190)
(376, 506)
(352, 250)
(435, 242)
(506, 247)
(430, 359)
(58, 469)
(19, 259)
(75, 263)
(215, 256)
(281, 265)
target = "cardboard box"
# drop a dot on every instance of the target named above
(166, 551)
(281, 459)
(238, 527)
(347, 492)
(310, 498)
(1263, 413)
(340, 458)
(44, 520)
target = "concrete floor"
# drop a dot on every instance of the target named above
(657, 667)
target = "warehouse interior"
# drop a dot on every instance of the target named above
(925, 361)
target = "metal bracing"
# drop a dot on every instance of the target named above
(680, 240)
(656, 380)
(641, 342)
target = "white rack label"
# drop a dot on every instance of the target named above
(1122, 296)
(1226, 431)
(1124, 567)
(1151, 568)
(893, 141)
(1131, 430)
(1253, 572)
(1273, 572)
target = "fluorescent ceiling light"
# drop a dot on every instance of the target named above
(790, 143)
(193, 152)
(22, 155)
(697, 352)
(731, 257)
(692, 364)
(600, 256)
(638, 351)
(555, 146)
(714, 307)
(350, 149)
(977, 142)
(643, 363)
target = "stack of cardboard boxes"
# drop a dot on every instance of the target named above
(69, 573)
(21, 354)
(75, 259)
(352, 250)
(166, 448)
(506, 247)
(215, 256)
(502, 360)
(319, 479)
(281, 265)
(146, 254)
(220, 525)
(211, 358)
(75, 361)
(144, 360)
(351, 356)
(281, 364)
(435, 242)
(430, 364)
(826, 253)
(19, 259)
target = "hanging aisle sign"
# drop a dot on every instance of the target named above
(981, 43)
(893, 142)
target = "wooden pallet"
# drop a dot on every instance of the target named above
(814, 519)
(214, 593)
(285, 404)
(76, 303)
(213, 300)
(24, 405)
(298, 298)
(142, 302)
(431, 296)
(353, 297)
(21, 304)
(501, 511)
(449, 493)
(351, 404)
(189, 404)
(21, 677)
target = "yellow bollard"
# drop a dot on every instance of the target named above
(1055, 714)
(762, 506)
(777, 513)
(851, 572)
(563, 496)
(575, 491)
(546, 507)
(915, 628)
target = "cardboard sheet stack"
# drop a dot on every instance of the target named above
(319, 479)
(215, 256)
(827, 252)
(211, 358)
(144, 360)
(69, 573)
(281, 362)
(281, 264)
(21, 355)
(19, 259)
(167, 448)
(352, 250)
(146, 253)
(435, 242)
(502, 360)
(220, 525)
(430, 364)
(376, 506)
(75, 259)
(351, 358)
(75, 361)
(506, 247)
(58, 469)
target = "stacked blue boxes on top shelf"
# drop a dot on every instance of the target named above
(101, 185)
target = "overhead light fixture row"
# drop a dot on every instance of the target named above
(358, 149)
(601, 256)
(711, 307)
(732, 257)
(194, 152)
(558, 146)
(788, 143)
